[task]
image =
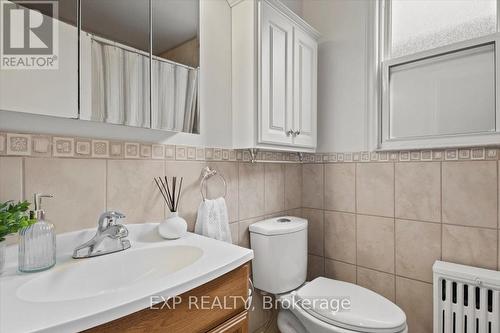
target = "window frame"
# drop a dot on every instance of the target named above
(380, 64)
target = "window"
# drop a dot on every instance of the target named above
(418, 25)
(438, 66)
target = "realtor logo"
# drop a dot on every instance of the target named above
(29, 38)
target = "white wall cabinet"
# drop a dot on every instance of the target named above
(274, 77)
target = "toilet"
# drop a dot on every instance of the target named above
(280, 266)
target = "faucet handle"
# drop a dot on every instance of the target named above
(109, 217)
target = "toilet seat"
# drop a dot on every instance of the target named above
(369, 312)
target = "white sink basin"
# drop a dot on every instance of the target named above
(129, 268)
(78, 294)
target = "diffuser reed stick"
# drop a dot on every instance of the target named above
(171, 194)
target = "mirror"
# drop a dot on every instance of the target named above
(117, 62)
(114, 75)
(49, 55)
(175, 65)
(138, 65)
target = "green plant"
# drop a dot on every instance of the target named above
(13, 217)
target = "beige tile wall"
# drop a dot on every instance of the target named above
(378, 224)
(383, 224)
(84, 188)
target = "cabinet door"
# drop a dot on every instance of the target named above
(305, 90)
(275, 77)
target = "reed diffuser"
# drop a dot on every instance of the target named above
(174, 226)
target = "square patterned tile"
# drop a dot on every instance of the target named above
(217, 154)
(132, 150)
(18, 144)
(116, 149)
(63, 147)
(170, 152)
(146, 151)
(200, 154)
(191, 153)
(83, 147)
(100, 148)
(180, 153)
(158, 152)
(41, 145)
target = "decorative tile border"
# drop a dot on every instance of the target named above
(39, 145)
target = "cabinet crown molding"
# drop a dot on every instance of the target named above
(285, 11)
(233, 3)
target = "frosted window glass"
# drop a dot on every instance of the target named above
(418, 25)
(444, 95)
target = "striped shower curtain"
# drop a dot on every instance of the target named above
(120, 90)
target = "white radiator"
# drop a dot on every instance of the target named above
(466, 299)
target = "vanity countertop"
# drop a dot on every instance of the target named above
(81, 293)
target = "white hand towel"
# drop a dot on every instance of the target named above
(213, 221)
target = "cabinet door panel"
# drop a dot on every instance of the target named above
(305, 81)
(275, 77)
(237, 324)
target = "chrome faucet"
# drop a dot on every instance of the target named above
(109, 238)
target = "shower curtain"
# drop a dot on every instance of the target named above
(120, 85)
(175, 97)
(120, 90)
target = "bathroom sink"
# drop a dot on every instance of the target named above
(78, 294)
(129, 268)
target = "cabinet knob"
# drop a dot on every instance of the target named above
(296, 133)
(290, 132)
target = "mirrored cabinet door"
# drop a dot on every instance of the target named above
(175, 65)
(115, 63)
(39, 70)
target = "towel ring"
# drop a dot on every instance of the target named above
(207, 173)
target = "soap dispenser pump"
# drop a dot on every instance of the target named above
(37, 242)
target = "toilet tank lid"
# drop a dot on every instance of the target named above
(279, 225)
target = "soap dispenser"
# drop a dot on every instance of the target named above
(37, 242)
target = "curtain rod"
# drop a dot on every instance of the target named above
(134, 50)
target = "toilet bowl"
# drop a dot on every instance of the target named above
(367, 310)
(322, 305)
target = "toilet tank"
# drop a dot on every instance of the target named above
(280, 253)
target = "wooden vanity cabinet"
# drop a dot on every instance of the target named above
(183, 318)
